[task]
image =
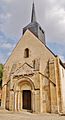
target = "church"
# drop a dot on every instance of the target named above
(33, 76)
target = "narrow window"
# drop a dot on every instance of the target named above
(0, 102)
(26, 53)
(34, 64)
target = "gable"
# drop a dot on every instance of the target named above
(25, 69)
(36, 47)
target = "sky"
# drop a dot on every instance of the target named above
(16, 14)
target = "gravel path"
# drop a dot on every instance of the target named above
(5, 115)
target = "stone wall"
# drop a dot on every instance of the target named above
(42, 75)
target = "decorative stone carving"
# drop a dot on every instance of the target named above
(25, 69)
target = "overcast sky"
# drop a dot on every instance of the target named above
(15, 14)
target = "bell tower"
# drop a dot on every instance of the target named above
(34, 27)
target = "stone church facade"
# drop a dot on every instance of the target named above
(33, 77)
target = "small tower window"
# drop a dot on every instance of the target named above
(26, 53)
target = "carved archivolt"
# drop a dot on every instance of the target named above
(24, 80)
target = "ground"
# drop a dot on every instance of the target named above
(5, 115)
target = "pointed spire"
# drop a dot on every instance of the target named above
(33, 17)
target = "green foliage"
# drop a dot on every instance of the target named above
(1, 74)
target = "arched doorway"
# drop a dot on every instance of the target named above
(26, 96)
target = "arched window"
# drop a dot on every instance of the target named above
(34, 64)
(26, 53)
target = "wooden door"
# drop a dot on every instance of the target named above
(27, 99)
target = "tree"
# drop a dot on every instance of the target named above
(1, 74)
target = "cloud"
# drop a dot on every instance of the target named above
(8, 1)
(2, 58)
(52, 18)
(58, 49)
(7, 46)
(15, 14)
(5, 16)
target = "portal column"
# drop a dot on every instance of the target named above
(16, 101)
(33, 101)
(11, 101)
(3, 104)
(19, 101)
